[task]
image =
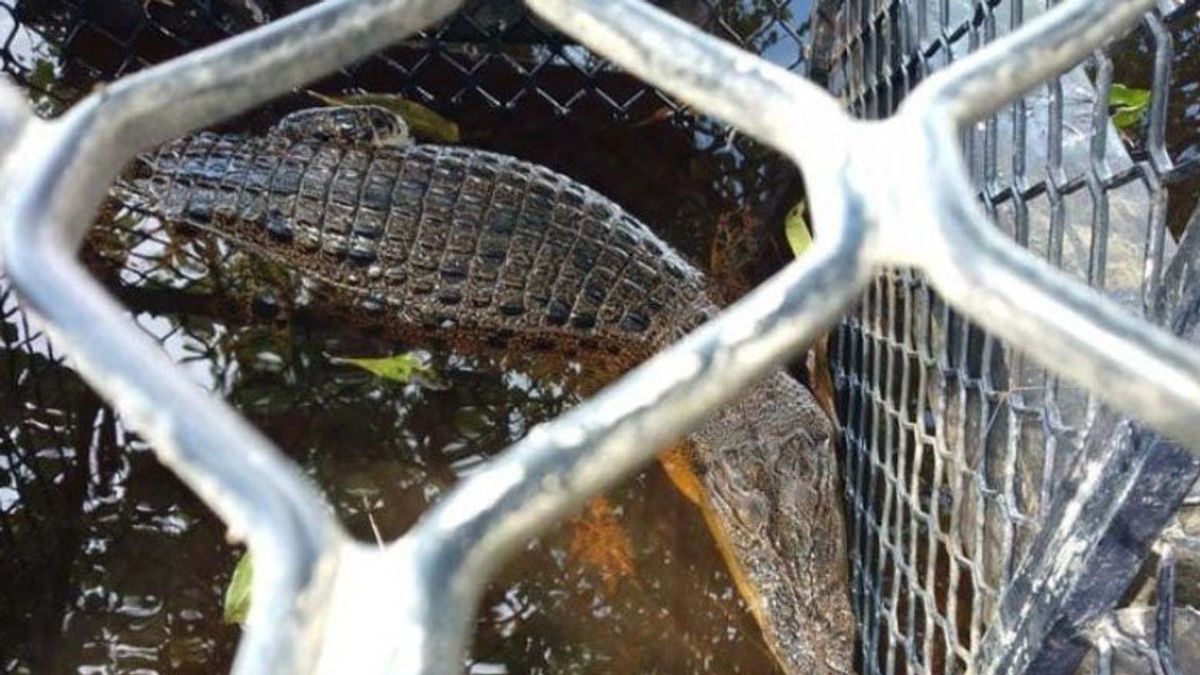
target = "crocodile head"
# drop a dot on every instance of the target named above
(773, 503)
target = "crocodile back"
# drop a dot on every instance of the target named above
(436, 236)
(461, 241)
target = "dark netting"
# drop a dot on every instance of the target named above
(959, 450)
(109, 563)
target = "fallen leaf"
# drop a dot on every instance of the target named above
(795, 227)
(1128, 105)
(237, 595)
(402, 368)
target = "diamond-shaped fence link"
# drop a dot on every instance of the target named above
(1010, 504)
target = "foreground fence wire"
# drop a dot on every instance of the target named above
(996, 509)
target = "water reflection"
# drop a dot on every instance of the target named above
(139, 566)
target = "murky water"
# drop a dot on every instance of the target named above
(132, 568)
(108, 564)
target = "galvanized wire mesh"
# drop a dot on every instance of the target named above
(956, 444)
(959, 449)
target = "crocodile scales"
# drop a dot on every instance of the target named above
(443, 240)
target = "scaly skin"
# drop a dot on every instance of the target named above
(449, 241)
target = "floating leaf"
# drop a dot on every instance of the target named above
(424, 123)
(795, 227)
(1128, 105)
(402, 368)
(1125, 118)
(1121, 95)
(237, 595)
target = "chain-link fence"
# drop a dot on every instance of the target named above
(969, 467)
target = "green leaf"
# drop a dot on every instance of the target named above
(424, 123)
(1121, 95)
(403, 368)
(1125, 118)
(1128, 105)
(795, 227)
(237, 596)
(44, 86)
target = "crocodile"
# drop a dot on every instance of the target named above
(436, 241)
